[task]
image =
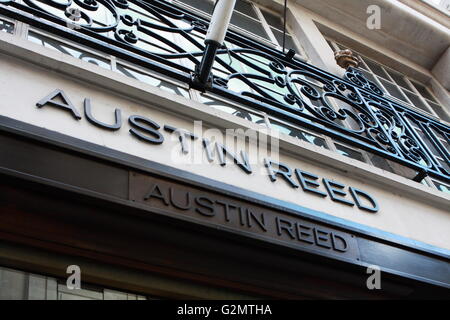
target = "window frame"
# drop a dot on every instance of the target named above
(335, 46)
(328, 141)
(433, 184)
(151, 74)
(13, 22)
(271, 42)
(197, 96)
(70, 44)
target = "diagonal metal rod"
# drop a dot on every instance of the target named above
(284, 25)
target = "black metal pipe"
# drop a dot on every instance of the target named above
(204, 70)
(284, 25)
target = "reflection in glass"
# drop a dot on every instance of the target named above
(423, 91)
(166, 86)
(380, 162)
(304, 136)
(250, 24)
(273, 20)
(393, 90)
(244, 7)
(416, 101)
(441, 187)
(66, 49)
(349, 152)
(399, 79)
(241, 113)
(440, 111)
(6, 26)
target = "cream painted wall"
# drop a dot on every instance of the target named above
(404, 213)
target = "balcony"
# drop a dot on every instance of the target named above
(168, 40)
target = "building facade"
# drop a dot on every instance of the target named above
(316, 156)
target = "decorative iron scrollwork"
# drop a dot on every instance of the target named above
(357, 78)
(160, 36)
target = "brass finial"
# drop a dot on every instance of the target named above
(346, 58)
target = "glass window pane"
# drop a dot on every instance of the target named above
(362, 66)
(444, 164)
(241, 113)
(399, 79)
(6, 26)
(245, 8)
(66, 49)
(349, 152)
(249, 24)
(376, 68)
(204, 5)
(330, 44)
(442, 139)
(164, 85)
(289, 41)
(416, 101)
(393, 90)
(440, 111)
(423, 91)
(369, 76)
(273, 20)
(296, 133)
(442, 187)
(14, 284)
(428, 143)
(341, 47)
(380, 162)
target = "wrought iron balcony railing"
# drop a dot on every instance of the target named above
(169, 40)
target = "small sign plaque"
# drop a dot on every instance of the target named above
(234, 214)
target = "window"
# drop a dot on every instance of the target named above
(6, 26)
(276, 25)
(73, 51)
(93, 293)
(299, 134)
(151, 80)
(230, 108)
(441, 186)
(402, 88)
(249, 18)
(76, 51)
(349, 152)
(244, 16)
(381, 162)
